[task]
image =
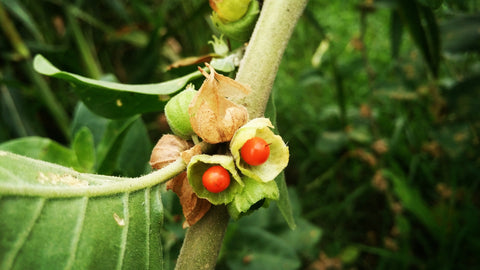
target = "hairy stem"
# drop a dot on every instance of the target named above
(265, 50)
(258, 69)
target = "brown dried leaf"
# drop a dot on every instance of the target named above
(214, 118)
(193, 208)
(167, 150)
(192, 60)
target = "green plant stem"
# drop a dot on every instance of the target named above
(91, 63)
(12, 34)
(265, 50)
(258, 69)
(46, 94)
(49, 99)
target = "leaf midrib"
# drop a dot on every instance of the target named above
(120, 184)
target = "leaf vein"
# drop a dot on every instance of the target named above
(124, 238)
(77, 232)
(23, 236)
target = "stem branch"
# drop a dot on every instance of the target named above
(258, 69)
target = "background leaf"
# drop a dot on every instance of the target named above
(84, 149)
(88, 221)
(122, 146)
(116, 100)
(421, 23)
(460, 35)
(43, 149)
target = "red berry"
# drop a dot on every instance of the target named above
(255, 151)
(216, 179)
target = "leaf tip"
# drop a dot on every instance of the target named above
(43, 66)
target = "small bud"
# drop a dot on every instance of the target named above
(219, 46)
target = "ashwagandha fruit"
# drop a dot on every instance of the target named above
(176, 112)
(240, 29)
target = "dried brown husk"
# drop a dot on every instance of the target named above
(193, 208)
(167, 150)
(213, 117)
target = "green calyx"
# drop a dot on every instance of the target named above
(240, 29)
(176, 111)
(197, 167)
(252, 194)
(279, 154)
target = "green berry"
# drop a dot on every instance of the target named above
(177, 115)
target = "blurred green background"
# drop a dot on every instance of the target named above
(377, 100)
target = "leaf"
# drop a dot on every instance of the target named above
(396, 33)
(423, 28)
(14, 113)
(460, 34)
(283, 202)
(84, 149)
(116, 100)
(412, 200)
(109, 136)
(18, 10)
(259, 249)
(431, 3)
(56, 218)
(43, 149)
(135, 150)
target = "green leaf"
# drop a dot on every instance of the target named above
(56, 218)
(396, 33)
(460, 34)
(431, 3)
(43, 149)
(116, 100)
(84, 149)
(423, 28)
(259, 249)
(135, 151)
(109, 136)
(283, 202)
(18, 10)
(412, 200)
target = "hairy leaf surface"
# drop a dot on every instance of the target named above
(56, 218)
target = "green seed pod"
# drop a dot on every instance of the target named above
(230, 10)
(277, 159)
(177, 115)
(240, 29)
(199, 164)
(253, 193)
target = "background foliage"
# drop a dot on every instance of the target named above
(378, 101)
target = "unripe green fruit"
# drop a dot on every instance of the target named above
(241, 29)
(177, 115)
(230, 10)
